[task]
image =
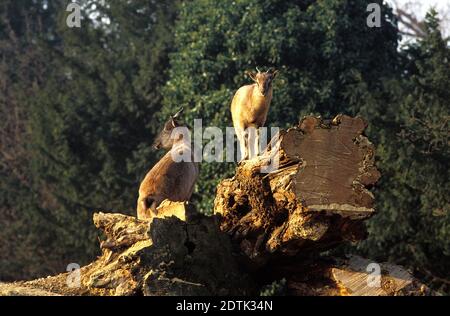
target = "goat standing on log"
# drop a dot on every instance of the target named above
(249, 110)
(170, 178)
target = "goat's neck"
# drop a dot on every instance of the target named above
(258, 99)
(182, 145)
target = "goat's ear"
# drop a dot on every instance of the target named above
(274, 74)
(252, 75)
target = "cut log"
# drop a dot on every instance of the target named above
(12, 289)
(362, 277)
(184, 254)
(317, 198)
(353, 276)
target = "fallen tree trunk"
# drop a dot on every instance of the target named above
(266, 227)
(184, 255)
(192, 257)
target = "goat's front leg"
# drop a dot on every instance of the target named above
(253, 142)
(244, 146)
(242, 140)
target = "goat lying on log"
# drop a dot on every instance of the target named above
(249, 110)
(170, 178)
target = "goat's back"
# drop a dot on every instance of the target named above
(241, 101)
(167, 180)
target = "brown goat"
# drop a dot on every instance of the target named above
(249, 110)
(170, 178)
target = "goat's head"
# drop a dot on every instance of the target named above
(263, 79)
(164, 138)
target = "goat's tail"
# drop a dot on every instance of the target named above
(150, 203)
(147, 207)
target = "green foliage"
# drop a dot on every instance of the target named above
(26, 232)
(88, 125)
(413, 224)
(319, 48)
(276, 288)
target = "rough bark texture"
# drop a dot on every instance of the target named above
(317, 198)
(266, 227)
(187, 256)
(172, 256)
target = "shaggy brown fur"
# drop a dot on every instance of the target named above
(168, 179)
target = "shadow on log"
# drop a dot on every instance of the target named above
(266, 227)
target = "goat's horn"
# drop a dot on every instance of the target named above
(178, 113)
(258, 70)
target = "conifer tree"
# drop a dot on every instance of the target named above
(412, 226)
